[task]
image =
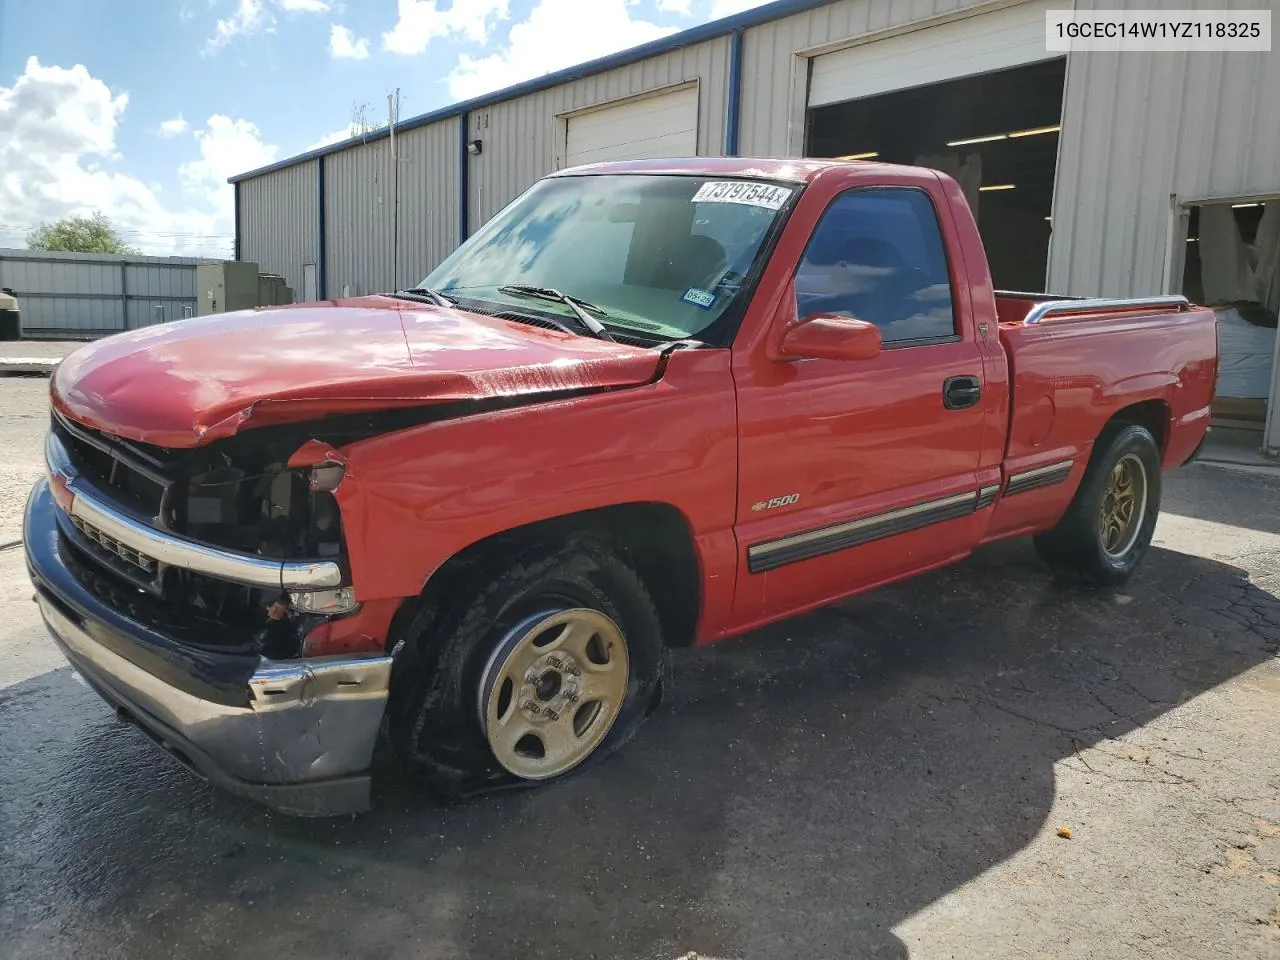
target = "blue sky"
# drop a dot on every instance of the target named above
(143, 108)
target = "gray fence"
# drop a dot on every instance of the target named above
(77, 295)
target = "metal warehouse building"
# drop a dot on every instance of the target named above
(1092, 174)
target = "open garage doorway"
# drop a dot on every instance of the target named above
(1232, 264)
(997, 133)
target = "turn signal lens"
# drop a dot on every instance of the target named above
(327, 603)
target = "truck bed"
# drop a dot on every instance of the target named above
(1075, 363)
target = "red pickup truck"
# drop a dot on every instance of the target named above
(649, 404)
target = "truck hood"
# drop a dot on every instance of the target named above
(189, 383)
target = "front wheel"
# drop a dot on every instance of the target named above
(541, 667)
(1107, 530)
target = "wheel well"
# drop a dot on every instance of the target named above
(1152, 414)
(653, 537)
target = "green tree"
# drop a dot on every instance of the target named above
(79, 235)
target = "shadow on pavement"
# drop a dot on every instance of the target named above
(1235, 498)
(803, 791)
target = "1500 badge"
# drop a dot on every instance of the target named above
(776, 502)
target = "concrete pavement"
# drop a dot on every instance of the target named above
(884, 778)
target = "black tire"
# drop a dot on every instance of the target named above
(1075, 547)
(435, 717)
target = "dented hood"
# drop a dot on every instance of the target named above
(188, 383)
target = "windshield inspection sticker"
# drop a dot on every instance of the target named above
(699, 298)
(765, 195)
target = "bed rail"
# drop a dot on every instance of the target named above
(1049, 308)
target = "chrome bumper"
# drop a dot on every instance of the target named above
(296, 735)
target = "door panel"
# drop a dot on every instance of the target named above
(865, 441)
(854, 471)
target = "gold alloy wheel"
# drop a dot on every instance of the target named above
(1124, 505)
(553, 690)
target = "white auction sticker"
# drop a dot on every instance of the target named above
(767, 195)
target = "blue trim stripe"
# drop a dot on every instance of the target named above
(235, 250)
(321, 282)
(708, 31)
(733, 115)
(464, 179)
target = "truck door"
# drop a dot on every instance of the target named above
(854, 472)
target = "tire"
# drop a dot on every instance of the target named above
(451, 673)
(1082, 545)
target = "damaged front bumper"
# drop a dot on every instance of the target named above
(296, 735)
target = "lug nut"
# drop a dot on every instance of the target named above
(573, 698)
(532, 707)
(555, 662)
(573, 672)
(552, 715)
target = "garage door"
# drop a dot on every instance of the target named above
(979, 44)
(663, 125)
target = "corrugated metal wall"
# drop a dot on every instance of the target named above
(1140, 129)
(428, 198)
(522, 136)
(775, 82)
(358, 218)
(278, 229)
(82, 294)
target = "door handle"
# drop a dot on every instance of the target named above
(959, 393)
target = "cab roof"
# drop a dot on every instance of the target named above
(787, 169)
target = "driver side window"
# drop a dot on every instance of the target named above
(877, 255)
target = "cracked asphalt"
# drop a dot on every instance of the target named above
(885, 778)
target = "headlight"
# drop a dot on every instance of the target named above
(327, 603)
(327, 476)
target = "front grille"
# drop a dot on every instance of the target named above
(185, 616)
(131, 475)
(113, 546)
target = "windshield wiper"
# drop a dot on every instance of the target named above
(577, 305)
(425, 293)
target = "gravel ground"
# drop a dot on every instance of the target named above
(884, 778)
(24, 417)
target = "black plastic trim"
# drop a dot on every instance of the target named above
(1022, 485)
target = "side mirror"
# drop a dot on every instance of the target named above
(828, 336)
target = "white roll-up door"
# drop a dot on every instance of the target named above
(662, 125)
(1003, 38)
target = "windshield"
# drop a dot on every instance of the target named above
(664, 255)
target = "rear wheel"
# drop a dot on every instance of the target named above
(1107, 530)
(545, 665)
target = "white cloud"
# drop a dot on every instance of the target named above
(337, 136)
(249, 17)
(254, 16)
(227, 147)
(557, 34)
(421, 21)
(683, 8)
(344, 45)
(58, 158)
(175, 127)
